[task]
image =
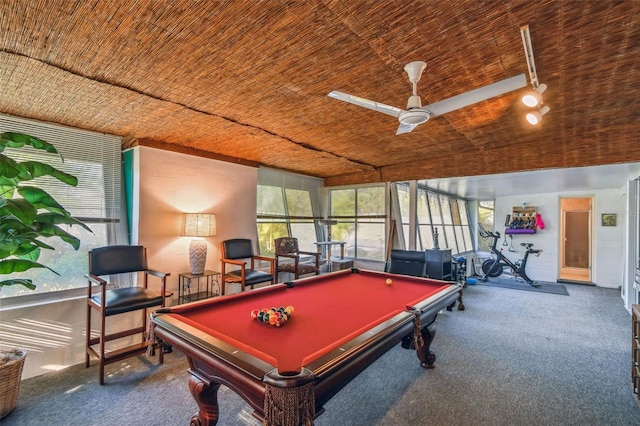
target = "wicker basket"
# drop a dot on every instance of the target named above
(10, 376)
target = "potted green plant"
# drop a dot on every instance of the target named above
(28, 214)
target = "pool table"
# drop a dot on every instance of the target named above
(342, 322)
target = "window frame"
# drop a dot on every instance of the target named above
(78, 148)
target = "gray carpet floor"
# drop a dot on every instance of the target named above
(511, 358)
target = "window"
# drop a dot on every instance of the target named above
(286, 207)
(404, 204)
(361, 216)
(436, 213)
(95, 160)
(486, 216)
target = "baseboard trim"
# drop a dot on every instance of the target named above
(560, 281)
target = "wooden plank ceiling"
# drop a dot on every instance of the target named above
(247, 80)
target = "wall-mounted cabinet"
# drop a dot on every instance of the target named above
(522, 220)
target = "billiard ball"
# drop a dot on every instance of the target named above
(389, 281)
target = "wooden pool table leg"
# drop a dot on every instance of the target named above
(206, 395)
(422, 338)
(460, 303)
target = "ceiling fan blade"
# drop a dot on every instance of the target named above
(376, 106)
(477, 95)
(405, 128)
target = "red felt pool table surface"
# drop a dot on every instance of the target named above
(328, 311)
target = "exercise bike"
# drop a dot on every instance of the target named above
(494, 267)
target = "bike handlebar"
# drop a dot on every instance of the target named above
(495, 234)
(486, 234)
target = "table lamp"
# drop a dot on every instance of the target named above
(198, 225)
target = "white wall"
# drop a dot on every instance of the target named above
(608, 242)
(170, 184)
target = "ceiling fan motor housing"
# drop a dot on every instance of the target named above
(414, 116)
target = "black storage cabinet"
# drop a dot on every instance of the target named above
(439, 264)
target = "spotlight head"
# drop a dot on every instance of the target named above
(534, 97)
(531, 99)
(534, 117)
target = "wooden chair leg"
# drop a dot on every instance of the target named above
(102, 371)
(86, 349)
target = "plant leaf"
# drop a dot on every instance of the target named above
(21, 209)
(15, 281)
(49, 230)
(17, 140)
(56, 219)
(35, 169)
(40, 199)
(8, 167)
(10, 266)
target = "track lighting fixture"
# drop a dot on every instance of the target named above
(533, 98)
(534, 117)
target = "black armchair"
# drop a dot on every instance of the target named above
(288, 258)
(113, 260)
(237, 252)
(408, 262)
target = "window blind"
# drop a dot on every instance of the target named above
(94, 158)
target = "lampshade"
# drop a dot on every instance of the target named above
(199, 225)
(534, 117)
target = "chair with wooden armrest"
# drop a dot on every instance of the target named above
(239, 252)
(114, 260)
(288, 258)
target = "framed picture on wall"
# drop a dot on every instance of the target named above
(608, 219)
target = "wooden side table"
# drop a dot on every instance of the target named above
(188, 293)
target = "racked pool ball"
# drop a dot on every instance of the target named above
(254, 313)
(389, 281)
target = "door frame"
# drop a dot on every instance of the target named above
(580, 275)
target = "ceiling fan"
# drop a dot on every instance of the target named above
(416, 114)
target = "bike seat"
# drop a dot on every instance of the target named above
(527, 245)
